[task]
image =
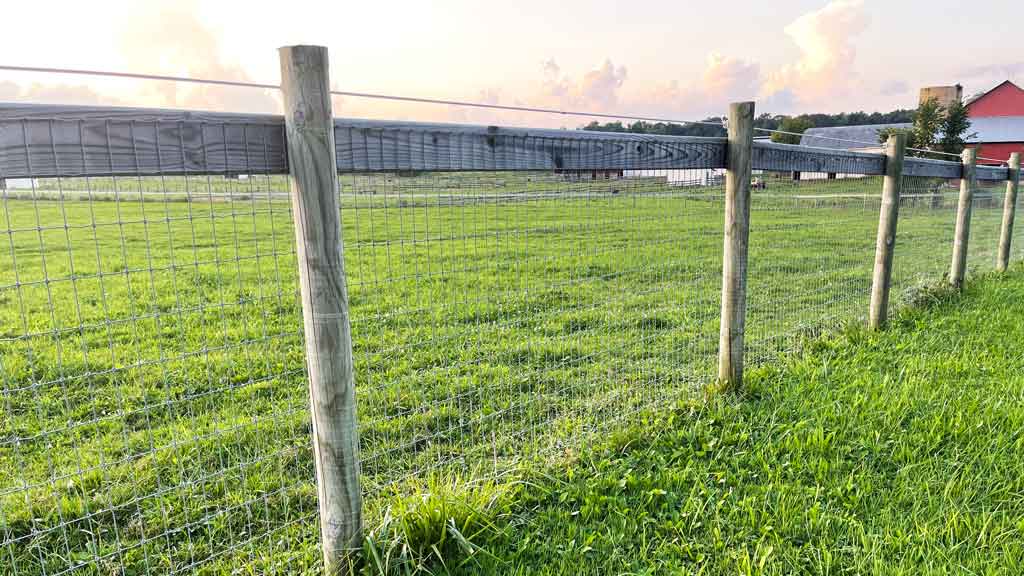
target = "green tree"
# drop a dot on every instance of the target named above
(955, 124)
(884, 133)
(928, 122)
(794, 125)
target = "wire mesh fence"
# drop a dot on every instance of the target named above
(1017, 236)
(155, 403)
(986, 224)
(924, 245)
(154, 412)
(502, 315)
(812, 246)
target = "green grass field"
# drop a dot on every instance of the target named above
(893, 453)
(154, 402)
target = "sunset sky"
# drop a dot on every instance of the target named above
(675, 59)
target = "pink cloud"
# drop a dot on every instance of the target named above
(167, 38)
(827, 54)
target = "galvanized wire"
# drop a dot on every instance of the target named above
(154, 412)
(350, 94)
(986, 225)
(1017, 237)
(812, 238)
(500, 317)
(924, 237)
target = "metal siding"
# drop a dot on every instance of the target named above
(999, 151)
(997, 129)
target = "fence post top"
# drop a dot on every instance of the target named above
(302, 47)
(303, 55)
(896, 142)
(740, 111)
(742, 107)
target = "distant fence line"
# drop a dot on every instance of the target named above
(314, 150)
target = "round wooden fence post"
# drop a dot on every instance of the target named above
(958, 268)
(734, 254)
(312, 166)
(885, 243)
(1009, 212)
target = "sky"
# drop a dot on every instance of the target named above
(673, 59)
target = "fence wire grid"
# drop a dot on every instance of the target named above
(811, 255)
(155, 403)
(154, 411)
(501, 315)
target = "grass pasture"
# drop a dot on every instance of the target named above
(895, 453)
(154, 403)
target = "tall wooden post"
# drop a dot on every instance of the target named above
(734, 253)
(1009, 212)
(885, 244)
(963, 218)
(309, 127)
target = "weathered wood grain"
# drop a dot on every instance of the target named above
(737, 233)
(48, 141)
(885, 242)
(1009, 212)
(320, 253)
(374, 146)
(39, 141)
(932, 168)
(968, 181)
(791, 157)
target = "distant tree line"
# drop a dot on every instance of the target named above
(711, 126)
(715, 125)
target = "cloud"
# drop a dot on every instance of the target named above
(469, 115)
(598, 89)
(163, 37)
(604, 89)
(595, 90)
(555, 84)
(601, 86)
(824, 70)
(778, 102)
(827, 53)
(669, 99)
(1005, 70)
(37, 93)
(894, 88)
(724, 79)
(166, 38)
(729, 78)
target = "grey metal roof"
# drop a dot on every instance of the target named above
(997, 129)
(989, 129)
(846, 137)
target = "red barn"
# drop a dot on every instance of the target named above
(997, 118)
